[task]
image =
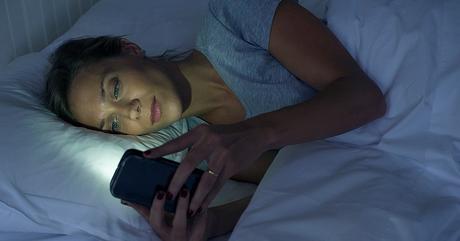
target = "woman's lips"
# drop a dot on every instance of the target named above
(155, 112)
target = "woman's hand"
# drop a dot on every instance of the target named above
(228, 149)
(180, 229)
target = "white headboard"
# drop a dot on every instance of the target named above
(29, 25)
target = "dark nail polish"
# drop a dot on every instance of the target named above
(183, 193)
(169, 196)
(160, 195)
(146, 153)
(198, 211)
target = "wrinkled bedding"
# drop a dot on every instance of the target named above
(397, 178)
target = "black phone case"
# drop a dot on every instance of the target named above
(138, 179)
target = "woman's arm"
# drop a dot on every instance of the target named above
(339, 108)
(347, 98)
(256, 171)
(223, 218)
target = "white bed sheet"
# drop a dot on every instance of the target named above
(331, 191)
(18, 236)
(397, 178)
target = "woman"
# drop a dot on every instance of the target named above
(264, 74)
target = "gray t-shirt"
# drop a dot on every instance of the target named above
(234, 37)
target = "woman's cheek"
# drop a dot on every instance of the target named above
(133, 129)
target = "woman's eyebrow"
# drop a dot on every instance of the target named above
(102, 95)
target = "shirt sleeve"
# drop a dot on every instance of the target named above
(251, 20)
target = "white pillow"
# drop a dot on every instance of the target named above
(54, 177)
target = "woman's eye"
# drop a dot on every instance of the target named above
(115, 125)
(116, 88)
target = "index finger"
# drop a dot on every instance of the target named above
(171, 146)
(184, 170)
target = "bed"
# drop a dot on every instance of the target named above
(397, 178)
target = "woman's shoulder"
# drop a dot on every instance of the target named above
(232, 7)
(224, 9)
(249, 20)
(241, 5)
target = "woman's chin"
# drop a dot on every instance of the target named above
(158, 126)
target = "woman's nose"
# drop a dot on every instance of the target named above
(131, 110)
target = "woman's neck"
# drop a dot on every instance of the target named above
(201, 89)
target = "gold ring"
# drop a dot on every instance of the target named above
(212, 173)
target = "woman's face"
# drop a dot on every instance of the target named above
(121, 95)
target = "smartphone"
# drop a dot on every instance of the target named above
(138, 179)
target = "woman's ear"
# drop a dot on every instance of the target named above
(130, 48)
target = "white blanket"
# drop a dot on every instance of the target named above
(327, 191)
(397, 178)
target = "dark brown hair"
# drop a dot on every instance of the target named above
(76, 54)
(67, 61)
